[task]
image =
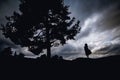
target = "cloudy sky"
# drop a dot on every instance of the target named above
(100, 22)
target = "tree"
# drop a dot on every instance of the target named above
(40, 24)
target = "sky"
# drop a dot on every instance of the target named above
(100, 28)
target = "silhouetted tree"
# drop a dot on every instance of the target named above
(39, 24)
(87, 50)
(43, 57)
(60, 58)
(6, 53)
(55, 57)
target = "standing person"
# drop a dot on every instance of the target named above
(87, 50)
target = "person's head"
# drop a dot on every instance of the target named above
(86, 44)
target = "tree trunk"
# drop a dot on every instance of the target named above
(48, 44)
(48, 52)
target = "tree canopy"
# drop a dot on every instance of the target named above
(39, 24)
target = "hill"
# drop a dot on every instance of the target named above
(57, 67)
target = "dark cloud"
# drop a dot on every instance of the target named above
(82, 10)
(105, 29)
(2, 2)
(110, 18)
(6, 9)
(6, 43)
(113, 49)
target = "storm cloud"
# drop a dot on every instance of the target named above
(100, 27)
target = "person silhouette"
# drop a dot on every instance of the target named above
(87, 50)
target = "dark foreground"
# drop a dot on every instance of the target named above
(17, 60)
(21, 62)
(43, 67)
